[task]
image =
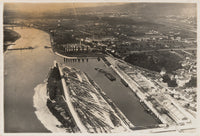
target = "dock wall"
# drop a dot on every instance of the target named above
(69, 103)
(135, 88)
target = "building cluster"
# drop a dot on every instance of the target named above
(76, 48)
(166, 101)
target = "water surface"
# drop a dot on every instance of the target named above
(25, 69)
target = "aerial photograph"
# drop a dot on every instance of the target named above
(100, 67)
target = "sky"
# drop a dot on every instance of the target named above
(142, 8)
(45, 7)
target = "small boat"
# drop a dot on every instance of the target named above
(47, 47)
(124, 82)
(110, 76)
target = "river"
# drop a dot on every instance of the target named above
(25, 69)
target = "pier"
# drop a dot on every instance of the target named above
(69, 103)
(171, 112)
(135, 88)
(97, 101)
(28, 48)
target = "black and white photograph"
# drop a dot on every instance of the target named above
(99, 67)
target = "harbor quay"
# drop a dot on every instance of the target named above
(80, 104)
(165, 108)
(118, 67)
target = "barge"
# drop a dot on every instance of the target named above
(110, 76)
(107, 74)
(124, 82)
(90, 109)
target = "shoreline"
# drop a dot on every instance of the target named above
(13, 35)
(138, 93)
(99, 97)
(42, 112)
(125, 121)
(111, 104)
(67, 57)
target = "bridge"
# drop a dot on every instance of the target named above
(28, 48)
(12, 26)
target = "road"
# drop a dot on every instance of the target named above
(171, 49)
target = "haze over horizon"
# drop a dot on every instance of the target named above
(50, 7)
(186, 9)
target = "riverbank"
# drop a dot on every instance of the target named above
(10, 37)
(76, 57)
(19, 91)
(43, 113)
(30, 68)
(114, 107)
(152, 94)
(135, 88)
(102, 115)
